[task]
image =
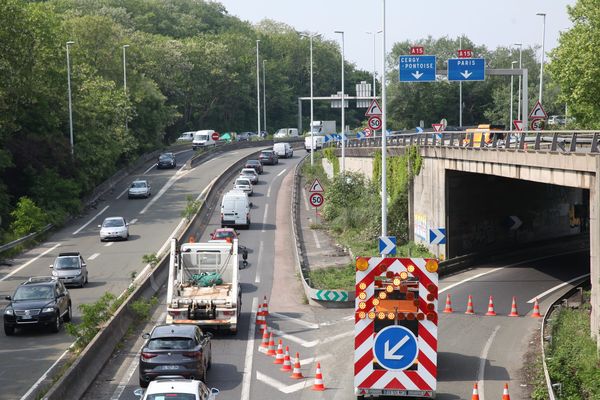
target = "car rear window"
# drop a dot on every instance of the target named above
(171, 396)
(242, 182)
(170, 343)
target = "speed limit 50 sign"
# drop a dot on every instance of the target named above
(375, 123)
(316, 199)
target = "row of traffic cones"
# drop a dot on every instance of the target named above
(283, 358)
(491, 312)
(505, 394)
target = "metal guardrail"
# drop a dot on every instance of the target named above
(552, 141)
(25, 238)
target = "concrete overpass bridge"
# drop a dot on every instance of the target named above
(514, 188)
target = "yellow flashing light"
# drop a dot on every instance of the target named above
(371, 314)
(404, 275)
(391, 315)
(381, 315)
(362, 264)
(382, 296)
(431, 266)
(389, 288)
(362, 305)
(362, 315)
(410, 268)
(396, 281)
(362, 295)
(376, 302)
(362, 286)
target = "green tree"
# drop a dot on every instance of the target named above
(27, 218)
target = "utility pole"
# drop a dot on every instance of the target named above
(70, 104)
(257, 89)
(383, 132)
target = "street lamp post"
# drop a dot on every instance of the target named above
(343, 168)
(383, 131)
(543, 15)
(257, 89)
(512, 84)
(374, 64)
(520, 77)
(70, 105)
(125, 46)
(460, 105)
(264, 98)
(312, 146)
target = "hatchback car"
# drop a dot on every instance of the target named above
(139, 188)
(244, 185)
(38, 302)
(227, 234)
(176, 388)
(166, 160)
(180, 349)
(268, 157)
(251, 174)
(116, 228)
(70, 269)
(254, 164)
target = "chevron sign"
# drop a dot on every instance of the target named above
(437, 236)
(332, 295)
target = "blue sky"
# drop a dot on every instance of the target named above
(493, 23)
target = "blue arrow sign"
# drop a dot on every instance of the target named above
(417, 68)
(387, 245)
(361, 135)
(466, 69)
(395, 348)
(437, 236)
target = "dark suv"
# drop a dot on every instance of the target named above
(166, 160)
(268, 157)
(38, 302)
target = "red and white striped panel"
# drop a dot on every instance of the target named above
(424, 378)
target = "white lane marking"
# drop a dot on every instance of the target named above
(335, 322)
(213, 159)
(315, 237)
(338, 336)
(90, 221)
(245, 395)
(133, 221)
(109, 244)
(270, 186)
(185, 151)
(259, 262)
(164, 189)
(264, 221)
(506, 266)
(285, 169)
(311, 360)
(125, 191)
(482, 360)
(236, 152)
(306, 199)
(154, 165)
(11, 273)
(43, 377)
(295, 320)
(93, 256)
(296, 339)
(282, 387)
(547, 292)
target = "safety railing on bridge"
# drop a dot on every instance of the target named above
(552, 141)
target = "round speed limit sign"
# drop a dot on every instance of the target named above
(316, 199)
(375, 123)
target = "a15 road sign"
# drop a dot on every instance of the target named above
(375, 123)
(316, 187)
(316, 199)
(466, 69)
(417, 68)
(374, 110)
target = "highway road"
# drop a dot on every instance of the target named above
(29, 354)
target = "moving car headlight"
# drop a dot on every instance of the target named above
(9, 311)
(54, 273)
(48, 309)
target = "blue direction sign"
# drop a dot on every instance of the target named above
(466, 69)
(417, 68)
(437, 236)
(387, 245)
(395, 348)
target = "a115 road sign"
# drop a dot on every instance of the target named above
(417, 68)
(375, 123)
(316, 199)
(395, 347)
(466, 69)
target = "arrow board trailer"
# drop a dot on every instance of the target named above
(395, 331)
(203, 286)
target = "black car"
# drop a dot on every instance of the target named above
(268, 157)
(254, 164)
(166, 160)
(243, 137)
(178, 349)
(38, 302)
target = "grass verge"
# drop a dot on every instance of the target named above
(333, 278)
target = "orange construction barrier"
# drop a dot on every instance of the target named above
(297, 373)
(318, 385)
(490, 312)
(536, 310)
(513, 308)
(470, 310)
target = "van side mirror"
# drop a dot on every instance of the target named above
(146, 336)
(7, 298)
(99, 226)
(139, 392)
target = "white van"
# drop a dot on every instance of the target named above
(186, 137)
(316, 142)
(283, 150)
(235, 209)
(203, 139)
(286, 132)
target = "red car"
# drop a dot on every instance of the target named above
(227, 234)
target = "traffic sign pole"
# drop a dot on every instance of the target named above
(383, 129)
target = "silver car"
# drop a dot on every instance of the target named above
(70, 269)
(244, 185)
(139, 188)
(116, 228)
(249, 173)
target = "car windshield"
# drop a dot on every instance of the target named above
(66, 263)
(202, 137)
(243, 182)
(223, 235)
(34, 293)
(113, 223)
(248, 172)
(170, 343)
(253, 162)
(266, 153)
(138, 185)
(165, 157)
(171, 396)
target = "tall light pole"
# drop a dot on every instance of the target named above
(512, 84)
(125, 46)
(460, 102)
(383, 131)
(70, 106)
(312, 146)
(343, 111)
(257, 89)
(374, 64)
(264, 99)
(520, 77)
(543, 15)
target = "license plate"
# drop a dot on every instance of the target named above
(26, 317)
(170, 367)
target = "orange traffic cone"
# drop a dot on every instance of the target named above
(279, 354)
(271, 348)
(470, 310)
(490, 312)
(265, 339)
(265, 307)
(287, 363)
(260, 317)
(192, 239)
(448, 309)
(296, 373)
(475, 395)
(505, 395)
(536, 310)
(318, 385)
(513, 308)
